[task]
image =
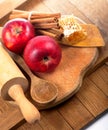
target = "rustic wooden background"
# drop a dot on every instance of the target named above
(92, 98)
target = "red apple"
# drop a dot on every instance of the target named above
(16, 33)
(42, 54)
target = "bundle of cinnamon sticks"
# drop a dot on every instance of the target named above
(44, 23)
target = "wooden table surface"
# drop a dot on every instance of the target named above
(92, 98)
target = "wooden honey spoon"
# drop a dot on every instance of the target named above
(42, 91)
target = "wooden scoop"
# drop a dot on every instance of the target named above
(13, 84)
(42, 91)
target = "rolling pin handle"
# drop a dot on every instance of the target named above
(29, 111)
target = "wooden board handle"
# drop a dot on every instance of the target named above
(29, 111)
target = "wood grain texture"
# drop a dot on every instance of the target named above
(50, 120)
(75, 113)
(6, 6)
(90, 96)
(100, 78)
(8, 110)
(95, 11)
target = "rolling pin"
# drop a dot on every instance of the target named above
(13, 84)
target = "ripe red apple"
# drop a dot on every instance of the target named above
(42, 54)
(16, 33)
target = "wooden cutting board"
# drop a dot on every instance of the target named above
(69, 74)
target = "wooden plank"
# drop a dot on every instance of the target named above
(95, 11)
(8, 110)
(6, 6)
(50, 120)
(65, 8)
(26, 126)
(75, 113)
(100, 78)
(103, 72)
(92, 97)
(53, 120)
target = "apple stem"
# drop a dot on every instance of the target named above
(45, 58)
(18, 30)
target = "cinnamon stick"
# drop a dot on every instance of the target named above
(39, 20)
(56, 31)
(35, 14)
(46, 25)
(53, 34)
(45, 32)
(44, 20)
